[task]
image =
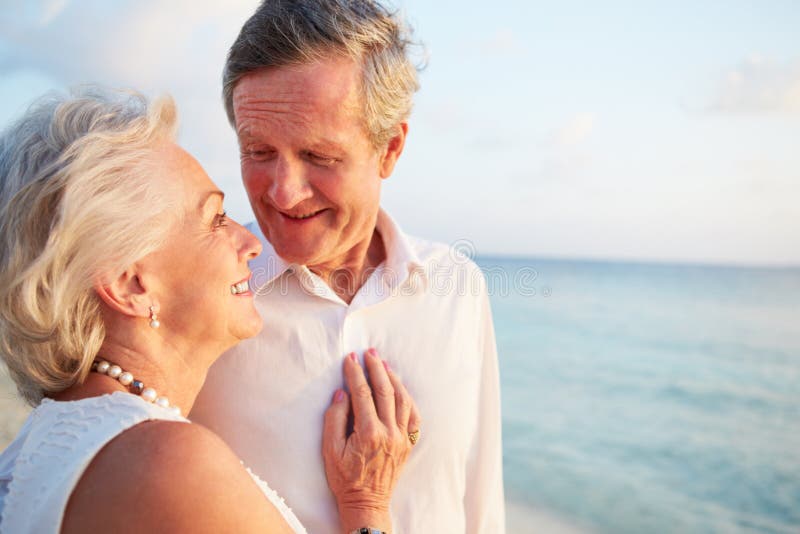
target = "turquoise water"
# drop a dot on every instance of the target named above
(650, 398)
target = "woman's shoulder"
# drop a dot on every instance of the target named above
(167, 475)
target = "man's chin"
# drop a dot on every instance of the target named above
(301, 255)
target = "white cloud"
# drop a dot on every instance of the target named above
(51, 10)
(559, 168)
(502, 41)
(177, 47)
(146, 43)
(573, 132)
(759, 85)
(444, 116)
(563, 156)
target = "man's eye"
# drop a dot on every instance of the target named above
(319, 159)
(259, 154)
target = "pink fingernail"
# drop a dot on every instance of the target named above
(373, 352)
(338, 396)
(353, 356)
(387, 366)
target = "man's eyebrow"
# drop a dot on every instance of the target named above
(326, 145)
(246, 132)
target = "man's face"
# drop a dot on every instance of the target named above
(310, 171)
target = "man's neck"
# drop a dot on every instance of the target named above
(348, 274)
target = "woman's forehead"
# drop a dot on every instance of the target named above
(177, 167)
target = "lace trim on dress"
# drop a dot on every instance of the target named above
(56, 445)
(278, 502)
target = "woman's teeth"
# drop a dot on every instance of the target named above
(241, 287)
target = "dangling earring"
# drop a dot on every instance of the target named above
(154, 318)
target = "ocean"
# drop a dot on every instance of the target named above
(649, 398)
(639, 397)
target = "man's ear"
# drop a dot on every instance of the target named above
(393, 149)
(125, 294)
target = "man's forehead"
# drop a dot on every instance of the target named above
(254, 90)
(332, 81)
(254, 132)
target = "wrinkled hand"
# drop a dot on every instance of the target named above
(363, 468)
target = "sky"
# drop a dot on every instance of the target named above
(628, 130)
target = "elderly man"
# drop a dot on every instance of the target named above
(319, 93)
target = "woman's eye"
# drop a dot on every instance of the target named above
(221, 219)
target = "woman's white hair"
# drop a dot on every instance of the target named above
(80, 199)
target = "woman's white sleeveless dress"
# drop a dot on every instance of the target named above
(58, 441)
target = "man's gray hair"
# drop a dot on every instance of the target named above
(292, 32)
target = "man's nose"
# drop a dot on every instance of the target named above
(289, 185)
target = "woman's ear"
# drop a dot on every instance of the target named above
(125, 294)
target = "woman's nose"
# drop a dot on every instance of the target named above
(250, 245)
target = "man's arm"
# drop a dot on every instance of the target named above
(483, 500)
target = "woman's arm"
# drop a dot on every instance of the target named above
(162, 476)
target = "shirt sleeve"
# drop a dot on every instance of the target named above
(483, 499)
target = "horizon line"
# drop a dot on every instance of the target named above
(642, 261)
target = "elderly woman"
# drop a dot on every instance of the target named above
(121, 282)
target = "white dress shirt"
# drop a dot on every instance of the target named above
(426, 311)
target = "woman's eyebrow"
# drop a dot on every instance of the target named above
(209, 196)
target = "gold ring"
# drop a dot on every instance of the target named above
(413, 437)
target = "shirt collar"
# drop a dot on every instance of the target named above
(401, 262)
(268, 266)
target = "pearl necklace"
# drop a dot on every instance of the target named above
(126, 379)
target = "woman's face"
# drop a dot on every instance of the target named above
(201, 274)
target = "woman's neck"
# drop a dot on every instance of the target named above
(168, 371)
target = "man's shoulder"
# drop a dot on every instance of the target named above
(427, 249)
(450, 261)
(459, 252)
